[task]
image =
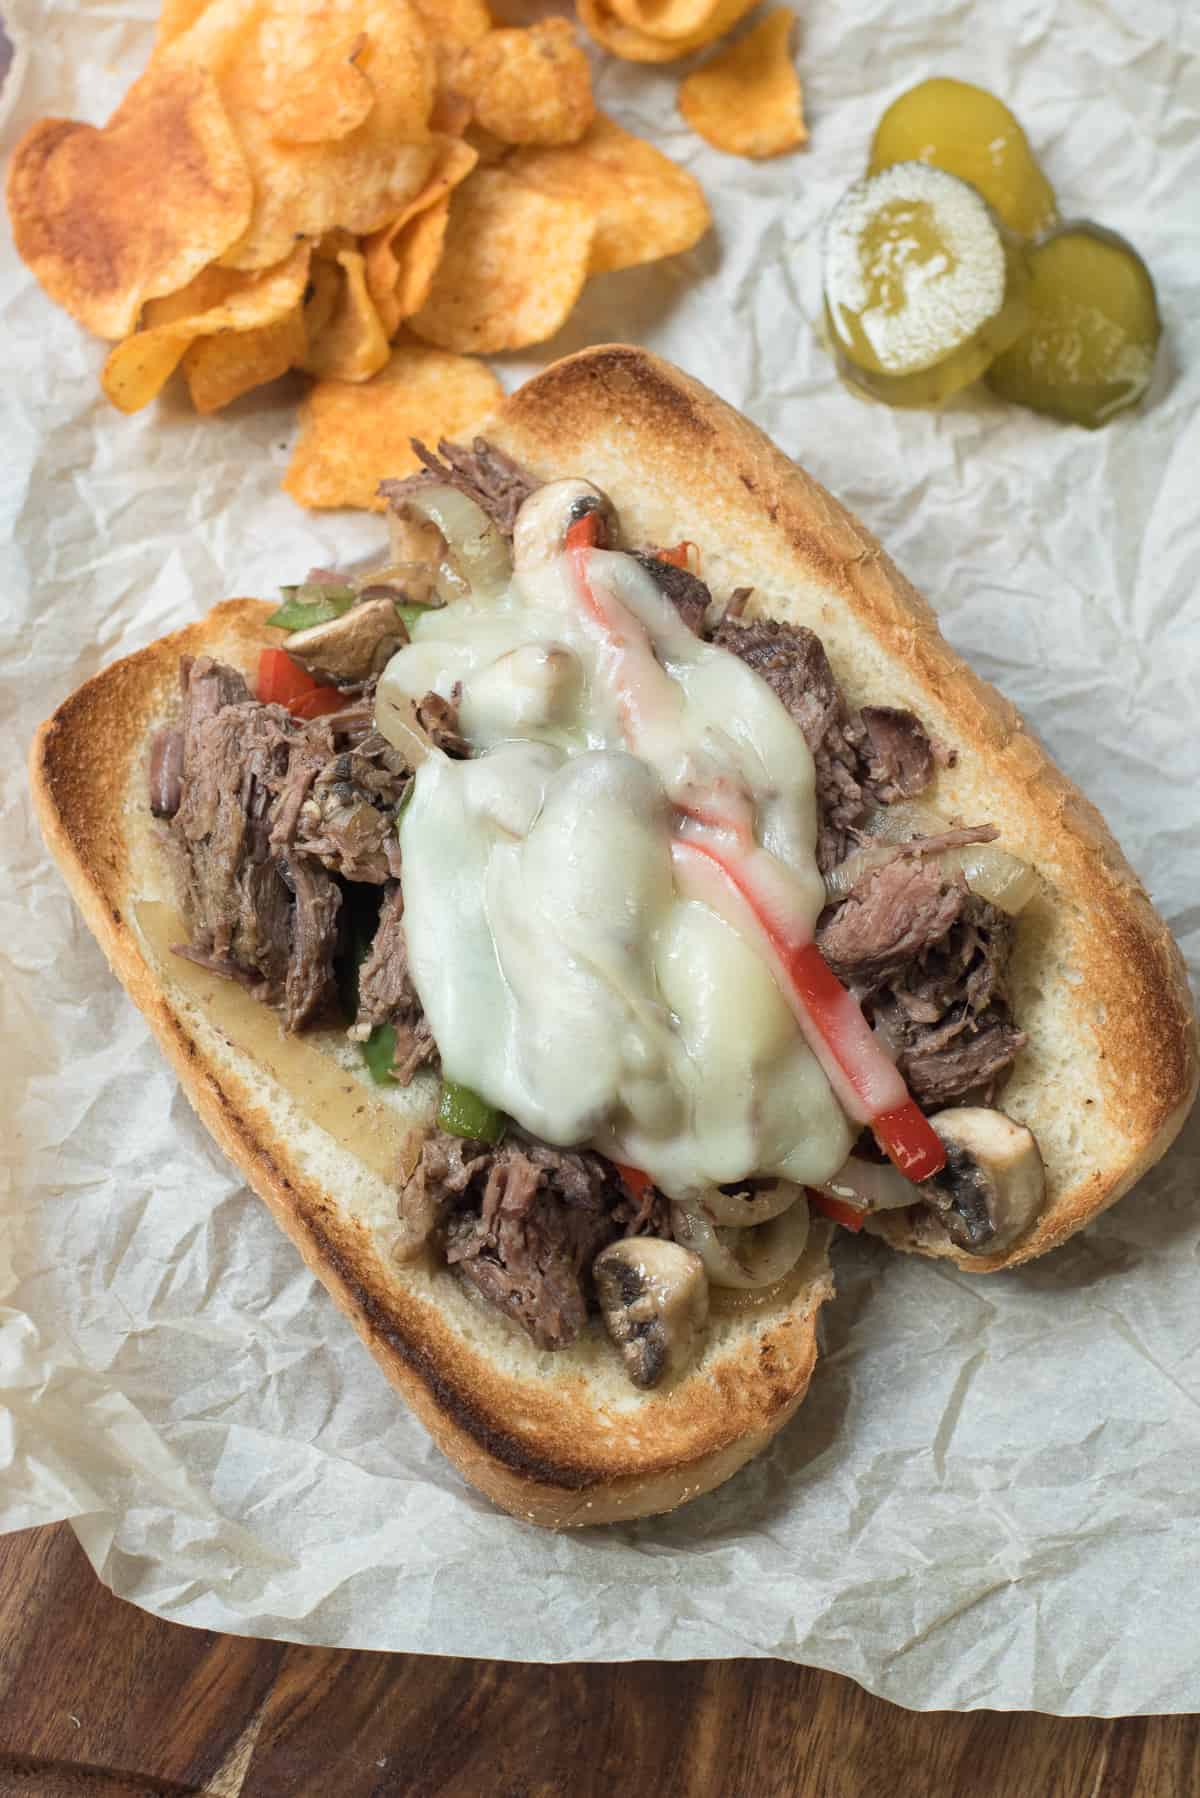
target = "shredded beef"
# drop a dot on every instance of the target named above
(685, 590)
(386, 994)
(899, 754)
(892, 915)
(946, 1016)
(792, 661)
(523, 1222)
(861, 759)
(484, 473)
(438, 718)
(346, 813)
(271, 807)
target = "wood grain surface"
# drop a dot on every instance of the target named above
(100, 1700)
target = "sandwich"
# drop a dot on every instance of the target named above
(568, 921)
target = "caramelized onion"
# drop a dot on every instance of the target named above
(745, 1258)
(477, 558)
(742, 1210)
(871, 1186)
(989, 870)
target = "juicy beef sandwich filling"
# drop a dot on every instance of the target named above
(282, 814)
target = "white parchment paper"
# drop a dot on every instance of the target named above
(990, 1497)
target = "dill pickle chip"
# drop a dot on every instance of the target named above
(968, 132)
(923, 287)
(1088, 351)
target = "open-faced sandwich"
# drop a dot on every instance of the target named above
(561, 922)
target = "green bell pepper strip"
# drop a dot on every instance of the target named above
(305, 606)
(379, 1053)
(463, 1113)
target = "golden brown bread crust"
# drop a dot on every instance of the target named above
(672, 456)
(544, 1447)
(671, 453)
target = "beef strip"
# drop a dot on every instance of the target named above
(386, 994)
(438, 718)
(900, 755)
(484, 473)
(256, 907)
(523, 1222)
(166, 771)
(892, 915)
(685, 590)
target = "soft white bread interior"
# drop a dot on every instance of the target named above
(564, 1439)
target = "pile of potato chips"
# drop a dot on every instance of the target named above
(372, 191)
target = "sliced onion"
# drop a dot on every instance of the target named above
(478, 558)
(991, 871)
(741, 1211)
(871, 1186)
(395, 717)
(411, 582)
(745, 1258)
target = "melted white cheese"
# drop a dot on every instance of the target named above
(564, 977)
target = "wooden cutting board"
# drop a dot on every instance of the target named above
(100, 1700)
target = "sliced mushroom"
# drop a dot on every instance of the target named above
(547, 515)
(993, 1184)
(654, 1298)
(353, 647)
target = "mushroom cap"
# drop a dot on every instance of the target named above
(653, 1296)
(994, 1182)
(354, 646)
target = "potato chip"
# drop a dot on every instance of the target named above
(529, 87)
(383, 251)
(353, 437)
(664, 18)
(514, 263)
(455, 22)
(327, 100)
(259, 51)
(217, 300)
(353, 345)
(419, 250)
(747, 99)
(220, 369)
(325, 283)
(644, 204)
(175, 17)
(110, 218)
(637, 45)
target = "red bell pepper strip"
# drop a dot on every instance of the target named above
(635, 1180)
(281, 681)
(683, 555)
(837, 1209)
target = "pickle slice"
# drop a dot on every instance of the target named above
(968, 132)
(1088, 352)
(922, 286)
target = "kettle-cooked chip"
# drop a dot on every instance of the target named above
(529, 87)
(747, 98)
(259, 51)
(664, 18)
(352, 346)
(636, 44)
(217, 300)
(644, 204)
(455, 22)
(514, 263)
(110, 218)
(175, 17)
(416, 251)
(220, 369)
(399, 247)
(327, 100)
(353, 437)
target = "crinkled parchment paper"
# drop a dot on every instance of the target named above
(990, 1497)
